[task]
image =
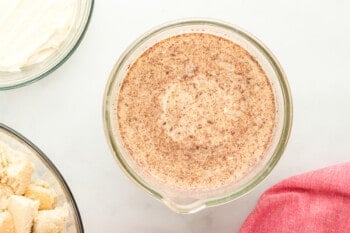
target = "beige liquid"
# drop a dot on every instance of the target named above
(196, 111)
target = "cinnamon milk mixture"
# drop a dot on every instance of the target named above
(196, 111)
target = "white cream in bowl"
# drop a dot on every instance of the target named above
(32, 30)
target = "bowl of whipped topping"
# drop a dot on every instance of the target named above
(34, 197)
(37, 36)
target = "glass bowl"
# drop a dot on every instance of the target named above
(35, 72)
(190, 202)
(45, 170)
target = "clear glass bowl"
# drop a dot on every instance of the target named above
(194, 201)
(35, 72)
(45, 170)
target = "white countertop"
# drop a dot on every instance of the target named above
(62, 113)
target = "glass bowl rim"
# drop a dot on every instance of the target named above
(60, 62)
(277, 152)
(43, 157)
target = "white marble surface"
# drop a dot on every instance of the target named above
(62, 113)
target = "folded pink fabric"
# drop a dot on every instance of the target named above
(317, 201)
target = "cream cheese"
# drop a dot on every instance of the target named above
(32, 30)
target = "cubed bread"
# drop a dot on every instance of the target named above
(21, 198)
(6, 223)
(45, 195)
(51, 221)
(18, 175)
(23, 211)
(5, 193)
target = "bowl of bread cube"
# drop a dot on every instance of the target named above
(34, 197)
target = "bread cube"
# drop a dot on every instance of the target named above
(51, 221)
(6, 223)
(18, 175)
(45, 195)
(23, 211)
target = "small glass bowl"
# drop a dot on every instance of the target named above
(45, 170)
(35, 72)
(191, 202)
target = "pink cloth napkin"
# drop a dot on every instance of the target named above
(317, 201)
